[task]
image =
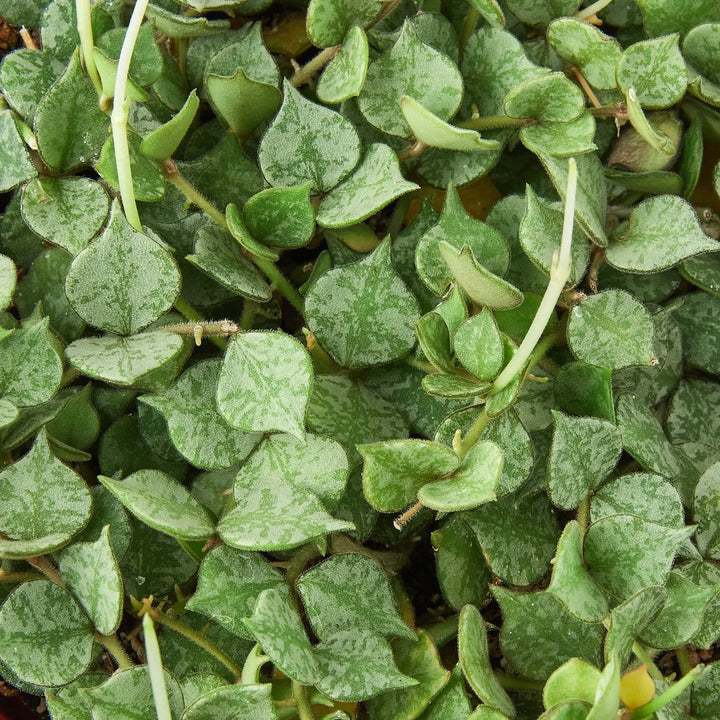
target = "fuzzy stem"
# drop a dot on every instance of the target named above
(248, 314)
(583, 516)
(253, 663)
(411, 151)
(27, 39)
(559, 274)
(115, 648)
(668, 696)
(468, 27)
(280, 283)
(473, 435)
(591, 10)
(402, 520)
(388, 7)
(619, 110)
(197, 638)
(119, 116)
(683, 659)
(306, 72)
(84, 26)
(644, 656)
(303, 704)
(155, 670)
(44, 565)
(494, 122)
(18, 577)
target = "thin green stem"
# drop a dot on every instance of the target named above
(248, 314)
(669, 695)
(280, 283)
(426, 367)
(468, 27)
(494, 122)
(84, 26)
(197, 638)
(559, 274)
(443, 632)
(119, 116)
(683, 659)
(398, 216)
(253, 664)
(303, 704)
(473, 435)
(115, 648)
(644, 656)
(591, 10)
(515, 683)
(299, 562)
(155, 670)
(389, 6)
(306, 72)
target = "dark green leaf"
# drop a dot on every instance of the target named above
(582, 389)
(25, 76)
(697, 315)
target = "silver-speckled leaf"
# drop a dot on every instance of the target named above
(410, 67)
(707, 493)
(15, 164)
(478, 346)
(329, 20)
(233, 701)
(363, 314)
(265, 383)
(375, 183)
(547, 98)
(533, 13)
(308, 142)
(561, 139)
(345, 74)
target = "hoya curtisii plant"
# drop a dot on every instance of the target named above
(531, 395)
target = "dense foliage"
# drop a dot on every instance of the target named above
(368, 351)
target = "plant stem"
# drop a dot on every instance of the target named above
(644, 656)
(411, 151)
(473, 435)
(515, 683)
(155, 670)
(591, 10)
(468, 27)
(444, 631)
(398, 215)
(306, 72)
(253, 663)
(84, 26)
(18, 577)
(494, 122)
(683, 659)
(559, 274)
(115, 648)
(299, 562)
(402, 520)
(27, 39)
(583, 516)
(303, 705)
(619, 110)
(248, 314)
(280, 283)
(44, 565)
(389, 6)
(668, 696)
(197, 638)
(119, 116)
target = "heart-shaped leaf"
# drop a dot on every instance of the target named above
(226, 702)
(547, 98)
(16, 166)
(327, 22)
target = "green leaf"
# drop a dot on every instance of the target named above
(699, 49)
(625, 553)
(612, 330)
(375, 183)
(281, 217)
(307, 142)
(491, 12)
(344, 76)
(25, 76)
(163, 504)
(431, 130)
(656, 70)
(146, 63)
(458, 228)
(241, 102)
(162, 142)
(229, 583)
(696, 316)
(46, 637)
(461, 569)
(66, 211)
(123, 360)
(595, 54)
(412, 68)
(474, 657)
(196, 427)
(362, 313)
(707, 493)
(561, 139)
(31, 365)
(518, 537)
(571, 583)
(200, 683)
(91, 573)
(41, 500)
(356, 665)
(328, 22)
(418, 659)
(582, 389)
(576, 679)
(629, 618)
(530, 12)
(547, 98)
(643, 437)
(15, 164)
(703, 271)
(107, 70)
(181, 26)
(705, 693)
(69, 126)
(394, 471)
(483, 286)
(538, 634)
(584, 451)
(8, 279)
(280, 632)
(451, 386)
(254, 393)
(348, 412)
(591, 202)
(350, 591)
(691, 415)
(475, 482)
(237, 229)
(8, 413)
(540, 233)
(607, 694)
(122, 281)
(663, 231)
(227, 702)
(451, 703)
(128, 695)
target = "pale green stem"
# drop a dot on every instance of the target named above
(155, 670)
(253, 663)
(683, 659)
(514, 683)
(644, 656)
(303, 705)
(119, 116)
(84, 26)
(280, 282)
(198, 639)
(473, 435)
(668, 696)
(115, 648)
(591, 10)
(559, 274)
(306, 72)
(494, 122)
(468, 27)
(248, 314)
